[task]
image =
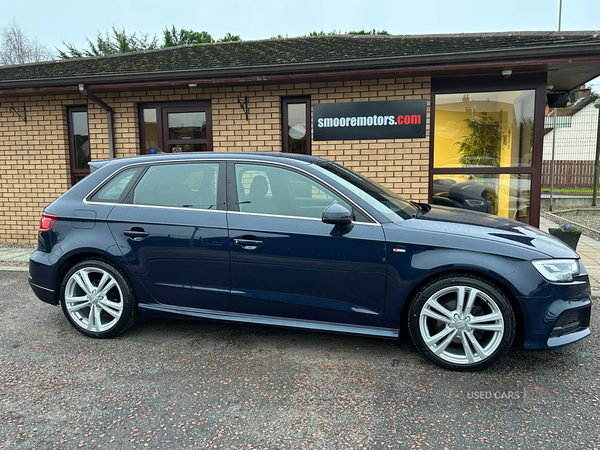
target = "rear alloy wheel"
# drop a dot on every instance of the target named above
(462, 322)
(97, 299)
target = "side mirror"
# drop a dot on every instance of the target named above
(340, 216)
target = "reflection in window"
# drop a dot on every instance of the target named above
(296, 128)
(79, 142)
(272, 190)
(179, 185)
(188, 125)
(150, 129)
(486, 129)
(503, 194)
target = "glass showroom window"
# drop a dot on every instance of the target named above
(79, 142)
(296, 125)
(482, 152)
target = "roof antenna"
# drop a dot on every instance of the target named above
(559, 13)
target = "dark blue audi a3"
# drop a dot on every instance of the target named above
(298, 241)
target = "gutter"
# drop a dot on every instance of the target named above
(109, 118)
(535, 56)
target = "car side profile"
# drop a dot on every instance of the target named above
(298, 241)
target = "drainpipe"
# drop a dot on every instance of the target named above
(109, 118)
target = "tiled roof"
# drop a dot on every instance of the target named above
(277, 54)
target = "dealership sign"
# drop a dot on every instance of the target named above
(399, 119)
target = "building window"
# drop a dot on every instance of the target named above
(296, 125)
(79, 142)
(482, 151)
(175, 127)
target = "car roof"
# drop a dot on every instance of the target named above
(258, 156)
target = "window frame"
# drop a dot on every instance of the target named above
(360, 215)
(535, 82)
(285, 101)
(164, 108)
(76, 172)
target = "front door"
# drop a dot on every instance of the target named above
(286, 262)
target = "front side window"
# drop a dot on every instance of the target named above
(273, 190)
(79, 142)
(192, 185)
(296, 125)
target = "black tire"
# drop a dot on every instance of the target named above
(461, 322)
(97, 299)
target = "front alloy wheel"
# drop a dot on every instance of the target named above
(97, 299)
(461, 322)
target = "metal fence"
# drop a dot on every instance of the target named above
(570, 141)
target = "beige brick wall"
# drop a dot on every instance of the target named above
(34, 157)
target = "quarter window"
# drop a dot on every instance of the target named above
(179, 185)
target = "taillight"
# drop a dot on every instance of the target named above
(47, 222)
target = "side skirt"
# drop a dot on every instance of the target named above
(182, 311)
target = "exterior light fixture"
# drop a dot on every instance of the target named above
(506, 73)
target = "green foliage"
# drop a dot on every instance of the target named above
(230, 38)
(482, 146)
(120, 42)
(109, 44)
(569, 228)
(372, 32)
(174, 38)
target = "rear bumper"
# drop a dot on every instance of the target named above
(41, 277)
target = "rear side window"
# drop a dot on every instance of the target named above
(116, 189)
(190, 185)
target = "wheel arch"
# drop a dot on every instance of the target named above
(73, 259)
(518, 313)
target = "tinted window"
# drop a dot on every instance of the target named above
(179, 185)
(388, 203)
(272, 190)
(115, 190)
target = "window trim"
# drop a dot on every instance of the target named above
(76, 173)
(285, 101)
(162, 109)
(535, 82)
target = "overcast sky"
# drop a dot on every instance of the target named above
(54, 21)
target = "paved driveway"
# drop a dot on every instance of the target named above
(183, 384)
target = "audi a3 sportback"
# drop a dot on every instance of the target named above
(298, 241)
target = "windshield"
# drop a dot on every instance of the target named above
(386, 202)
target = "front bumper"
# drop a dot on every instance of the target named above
(559, 319)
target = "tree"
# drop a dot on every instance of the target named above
(119, 42)
(230, 38)
(16, 48)
(174, 38)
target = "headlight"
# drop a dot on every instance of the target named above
(557, 269)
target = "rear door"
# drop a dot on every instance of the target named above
(172, 230)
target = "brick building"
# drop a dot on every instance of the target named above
(268, 95)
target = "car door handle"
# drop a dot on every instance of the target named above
(136, 234)
(248, 244)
